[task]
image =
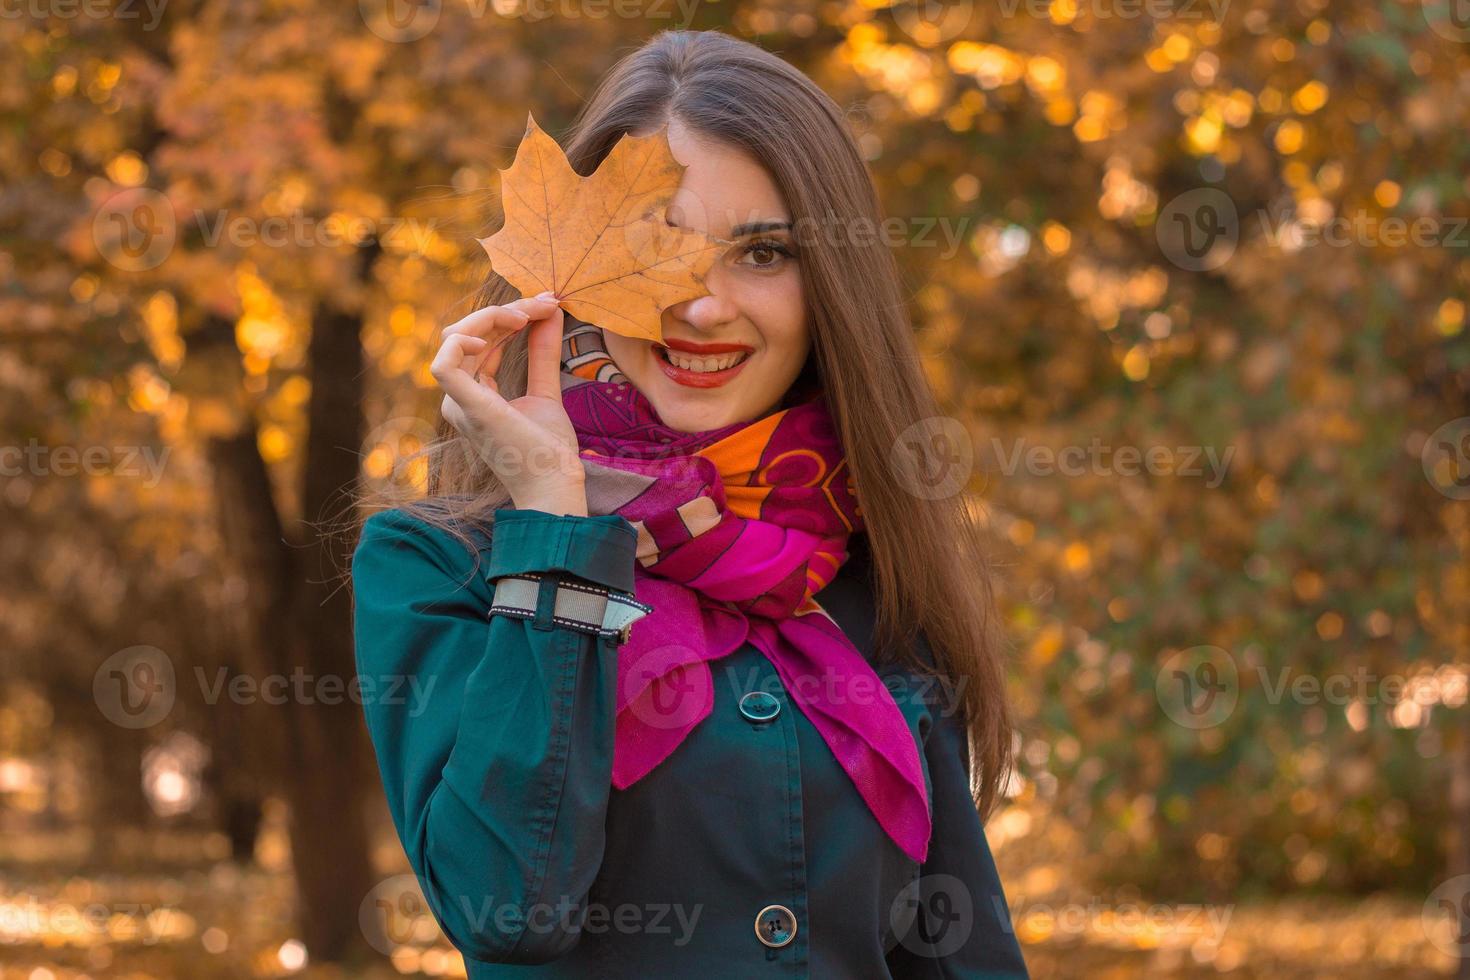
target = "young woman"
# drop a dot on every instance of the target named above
(713, 687)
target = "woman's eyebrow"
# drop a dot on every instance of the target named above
(756, 227)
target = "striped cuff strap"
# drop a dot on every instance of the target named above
(572, 603)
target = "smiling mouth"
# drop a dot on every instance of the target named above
(700, 370)
(700, 363)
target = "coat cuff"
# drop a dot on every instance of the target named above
(600, 549)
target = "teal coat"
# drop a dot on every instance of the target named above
(746, 853)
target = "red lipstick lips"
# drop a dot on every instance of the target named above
(701, 379)
(690, 347)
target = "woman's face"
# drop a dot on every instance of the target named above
(731, 354)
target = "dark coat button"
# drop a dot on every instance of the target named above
(760, 706)
(775, 925)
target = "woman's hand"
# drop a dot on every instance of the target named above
(529, 442)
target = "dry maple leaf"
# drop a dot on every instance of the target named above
(601, 243)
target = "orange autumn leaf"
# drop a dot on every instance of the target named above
(602, 243)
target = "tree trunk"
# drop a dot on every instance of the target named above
(329, 840)
(301, 615)
(1460, 847)
(121, 807)
(239, 771)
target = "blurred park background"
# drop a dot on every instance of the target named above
(1189, 276)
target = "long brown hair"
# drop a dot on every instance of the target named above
(930, 568)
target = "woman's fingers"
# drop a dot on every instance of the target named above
(482, 360)
(498, 324)
(488, 320)
(489, 358)
(508, 318)
(536, 306)
(473, 405)
(453, 414)
(543, 354)
(473, 345)
(449, 370)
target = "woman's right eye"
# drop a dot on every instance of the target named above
(768, 246)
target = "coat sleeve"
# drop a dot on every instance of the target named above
(497, 764)
(962, 927)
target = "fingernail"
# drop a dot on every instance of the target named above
(549, 295)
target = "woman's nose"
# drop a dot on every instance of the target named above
(709, 312)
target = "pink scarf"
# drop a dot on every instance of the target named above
(738, 528)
